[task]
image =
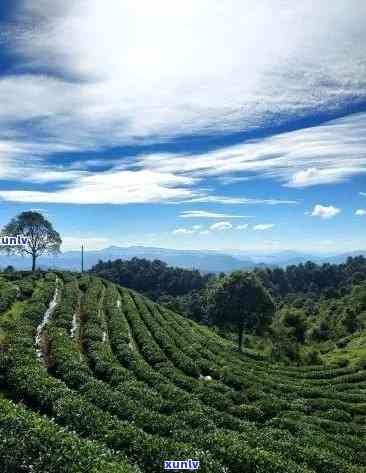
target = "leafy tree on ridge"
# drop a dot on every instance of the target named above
(240, 299)
(42, 237)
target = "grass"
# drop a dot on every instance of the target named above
(354, 352)
(12, 314)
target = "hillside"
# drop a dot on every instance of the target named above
(97, 378)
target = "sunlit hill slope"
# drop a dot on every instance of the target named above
(96, 378)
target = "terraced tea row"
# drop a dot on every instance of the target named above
(136, 384)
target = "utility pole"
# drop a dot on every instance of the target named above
(82, 258)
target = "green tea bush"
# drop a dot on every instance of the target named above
(137, 384)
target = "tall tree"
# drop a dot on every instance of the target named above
(241, 300)
(42, 237)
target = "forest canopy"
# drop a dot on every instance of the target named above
(153, 278)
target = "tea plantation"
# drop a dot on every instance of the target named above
(97, 378)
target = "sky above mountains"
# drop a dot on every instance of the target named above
(196, 124)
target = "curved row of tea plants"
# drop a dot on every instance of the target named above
(122, 384)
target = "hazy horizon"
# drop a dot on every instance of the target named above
(222, 250)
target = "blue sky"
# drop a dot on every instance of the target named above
(198, 124)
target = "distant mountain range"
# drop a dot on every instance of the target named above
(289, 257)
(203, 260)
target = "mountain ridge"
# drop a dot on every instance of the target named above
(203, 260)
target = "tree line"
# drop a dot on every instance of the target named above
(327, 280)
(290, 304)
(152, 278)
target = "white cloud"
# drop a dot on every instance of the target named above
(196, 227)
(221, 226)
(135, 75)
(324, 211)
(183, 231)
(324, 154)
(77, 185)
(206, 214)
(221, 199)
(140, 184)
(205, 232)
(52, 175)
(314, 176)
(304, 177)
(360, 212)
(363, 194)
(226, 180)
(136, 78)
(115, 187)
(263, 226)
(242, 227)
(24, 161)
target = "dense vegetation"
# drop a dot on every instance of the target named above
(95, 377)
(319, 308)
(326, 280)
(153, 278)
(306, 327)
(240, 300)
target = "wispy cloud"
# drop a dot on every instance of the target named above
(220, 199)
(139, 76)
(24, 161)
(206, 214)
(319, 155)
(314, 176)
(324, 154)
(263, 226)
(141, 185)
(324, 211)
(140, 79)
(105, 188)
(183, 231)
(221, 226)
(244, 226)
(360, 212)
(226, 180)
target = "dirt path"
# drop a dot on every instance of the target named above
(74, 324)
(41, 344)
(103, 322)
(131, 343)
(75, 331)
